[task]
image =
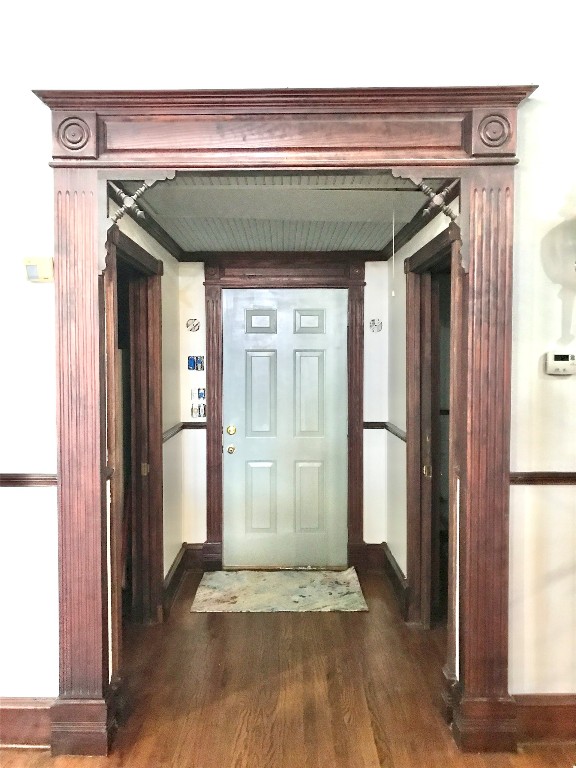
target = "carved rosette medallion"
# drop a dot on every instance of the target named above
(74, 134)
(494, 130)
(491, 133)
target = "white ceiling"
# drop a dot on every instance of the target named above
(282, 211)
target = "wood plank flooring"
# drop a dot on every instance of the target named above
(311, 690)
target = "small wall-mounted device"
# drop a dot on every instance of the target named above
(39, 270)
(560, 362)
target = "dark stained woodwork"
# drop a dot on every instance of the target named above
(484, 716)
(212, 553)
(469, 130)
(292, 271)
(356, 407)
(81, 470)
(172, 432)
(133, 254)
(177, 428)
(547, 717)
(26, 479)
(543, 478)
(25, 722)
(398, 581)
(456, 462)
(418, 222)
(332, 256)
(339, 128)
(414, 460)
(435, 254)
(146, 420)
(115, 450)
(173, 579)
(288, 690)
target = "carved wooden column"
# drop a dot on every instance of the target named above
(484, 715)
(80, 717)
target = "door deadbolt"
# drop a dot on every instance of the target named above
(231, 448)
(231, 429)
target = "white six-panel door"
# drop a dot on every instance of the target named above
(285, 427)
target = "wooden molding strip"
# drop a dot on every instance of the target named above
(25, 722)
(542, 478)
(24, 479)
(397, 579)
(180, 426)
(546, 717)
(436, 253)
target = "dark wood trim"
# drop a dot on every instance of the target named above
(133, 254)
(546, 717)
(396, 431)
(356, 407)
(84, 726)
(151, 226)
(417, 224)
(542, 478)
(484, 717)
(25, 479)
(366, 557)
(421, 131)
(173, 579)
(435, 254)
(25, 722)
(301, 272)
(413, 443)
(81, 415)
(233, 257)
(397, 579)
(173, 431)
(306, 100)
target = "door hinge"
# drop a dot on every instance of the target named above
(427, 471)
(144, 469)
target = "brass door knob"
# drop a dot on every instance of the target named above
(231, 429)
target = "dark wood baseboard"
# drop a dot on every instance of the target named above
(25, 722)
(485, 724)
(397, 579)
(85, 726)
(212, 556)
(366, 557)
(173, 579)
(548, 717)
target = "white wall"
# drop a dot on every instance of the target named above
(65, 51)
(375, 402)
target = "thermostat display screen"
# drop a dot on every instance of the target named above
(562, 357)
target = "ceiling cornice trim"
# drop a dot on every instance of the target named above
(287, 100)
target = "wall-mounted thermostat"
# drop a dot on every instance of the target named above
(560, 363)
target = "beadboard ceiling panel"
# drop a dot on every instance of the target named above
(282, 211)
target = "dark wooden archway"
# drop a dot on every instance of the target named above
(468, 132)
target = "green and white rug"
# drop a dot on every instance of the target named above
(276, 591)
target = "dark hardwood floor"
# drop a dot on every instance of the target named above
(313, 690)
